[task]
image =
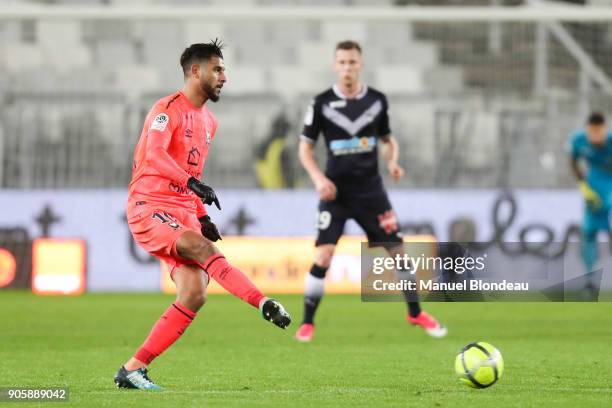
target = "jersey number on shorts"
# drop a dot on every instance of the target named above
(323, 219)
(164, 218)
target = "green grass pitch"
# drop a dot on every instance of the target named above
(365, 355)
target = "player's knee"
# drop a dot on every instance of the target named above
(195, 247)
(203, 250)
(199, 299)
(324, 255)
(194, 297)
(324, 260)
(589, 235)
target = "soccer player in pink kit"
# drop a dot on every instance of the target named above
(166, 212)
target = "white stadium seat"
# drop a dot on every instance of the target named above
(245, 79)
(399, 79)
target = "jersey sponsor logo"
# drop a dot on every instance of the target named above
(188, 133)
(193, 159)
(160, 122)
(352, 127)
(338, 104)
(176, 188)
(353, 145)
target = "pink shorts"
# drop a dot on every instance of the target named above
(157, 228)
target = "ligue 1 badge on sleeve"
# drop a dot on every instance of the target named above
(160, 122)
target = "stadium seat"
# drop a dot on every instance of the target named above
(333, 32)
(10, 32)
(379, 33)
(111, 53)
(399, 79)
(323, 51)
(58, 32)
(244, 34)
(291, 32)
(245, 79)
(65, 35)
(23, 56)
(135, 80)
(302, 2)
(419, 53)
(85, 79)
(74, 56)
(443, 79)
(289, 81)
(160, 40)
(196, 32)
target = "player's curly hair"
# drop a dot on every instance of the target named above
(201, 52)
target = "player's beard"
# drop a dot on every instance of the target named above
(210, 92)
(350, 82)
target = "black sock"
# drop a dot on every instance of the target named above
(313, 292)
(414, 308)
(411, 296)
(310, 308)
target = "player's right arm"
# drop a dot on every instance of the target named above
(576, 169)
(312, 127)
(575, 162)
(159, 136)
(324, 186)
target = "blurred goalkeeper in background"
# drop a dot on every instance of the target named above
(593, 146)
(354, 120)
(166, 214)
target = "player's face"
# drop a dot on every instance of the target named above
(348, 66)
(596, 134)
(213, 78)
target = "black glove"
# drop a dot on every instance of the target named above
(209, 229)
(206, 193)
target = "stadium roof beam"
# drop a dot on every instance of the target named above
(407, 13)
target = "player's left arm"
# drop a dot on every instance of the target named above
(209, 229)
(200, 209)
(391, 155)
(574, 154)
(391, 151)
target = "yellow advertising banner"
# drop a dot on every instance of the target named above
(59, 266)
(279, 264)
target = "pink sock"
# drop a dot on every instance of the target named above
(170, 326)
(232, 279)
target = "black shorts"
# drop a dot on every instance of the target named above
(373, 213)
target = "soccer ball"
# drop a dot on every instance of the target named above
(479, 365)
